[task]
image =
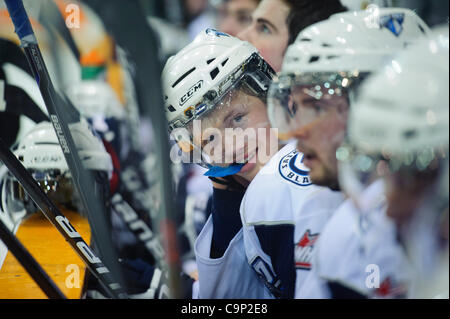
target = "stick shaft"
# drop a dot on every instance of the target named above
(29, 263)
(93, 263)
(62, 115)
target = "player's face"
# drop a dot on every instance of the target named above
(269, 32)
(321, 130)
(236, 15)
(405, 192)
(237, 131)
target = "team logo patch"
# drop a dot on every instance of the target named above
(216, 33)
(304, 249)
(390, 288)
(292, 169)
(393, 22)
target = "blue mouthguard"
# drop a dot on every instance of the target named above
(216, 171)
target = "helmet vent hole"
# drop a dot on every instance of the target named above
(214, 73)
(171, 108)
(422, 29)
(224, 62)
(210, 61)
(183, 77)
(314, 59)
(326, 45)
(305, 40)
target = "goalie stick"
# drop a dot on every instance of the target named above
(53, 214)
(29, 263)
(62, 115)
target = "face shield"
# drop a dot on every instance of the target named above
(296, 101)
(358, 169)
(56, 185)
(224, 128)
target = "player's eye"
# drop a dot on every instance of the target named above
(264, 29)
(244, 19)
(238, 119)
(292, 107)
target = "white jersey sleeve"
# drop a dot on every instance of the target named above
(282, 215)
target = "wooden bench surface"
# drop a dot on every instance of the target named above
(52, 252)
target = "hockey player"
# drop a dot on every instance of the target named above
(276, 24)
(235, 15)
(41, 154)
(223, 82)
(229, 69)
(310, 102)
(406, 145)
(134, 188)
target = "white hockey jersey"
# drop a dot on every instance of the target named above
(282, 215)
(270, 257)
(228, 277)
(358, 255)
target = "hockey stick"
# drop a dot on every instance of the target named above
(29, 263)
(62, 115)
(143, 51)
(53, 214)
(51, 19)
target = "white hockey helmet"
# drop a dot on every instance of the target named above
(94, 97)
(100, 105)
(41, 154)
(203, 72)
(200, 76)
(40, 150)
(332, 57)
(355, 5)
(401, 118)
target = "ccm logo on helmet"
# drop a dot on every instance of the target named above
(191, 92)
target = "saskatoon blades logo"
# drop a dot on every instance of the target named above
(292, 169)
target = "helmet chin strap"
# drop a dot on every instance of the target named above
(217, 171)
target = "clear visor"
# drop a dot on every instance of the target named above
(58, 187)
(229, 128)
(295, 101)
(359, 169)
